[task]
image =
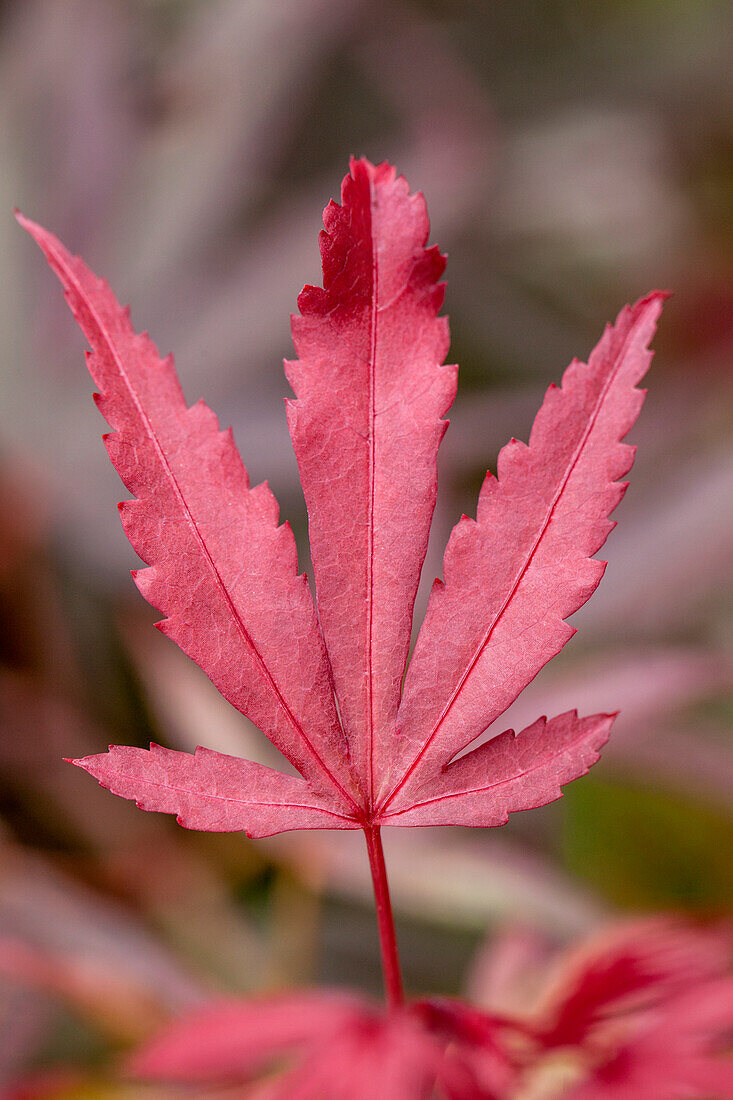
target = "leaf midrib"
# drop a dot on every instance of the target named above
(370, 521)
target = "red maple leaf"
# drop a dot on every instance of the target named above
(325, 686)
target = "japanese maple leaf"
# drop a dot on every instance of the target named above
(325, 685)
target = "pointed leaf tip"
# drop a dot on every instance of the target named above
(507, 774)
(371, 391)
(212, 791)
(204, 534)
(515, 576)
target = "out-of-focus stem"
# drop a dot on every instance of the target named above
(387, 939)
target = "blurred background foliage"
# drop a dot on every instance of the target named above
(573, 154)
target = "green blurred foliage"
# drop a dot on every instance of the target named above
(644, 847)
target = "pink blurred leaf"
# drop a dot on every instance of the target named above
(681, 1050)
(331, 1046)
(623, 999)
(622, 969)
(235, 1039)
(642, 1009)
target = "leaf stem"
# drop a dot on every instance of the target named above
(387, 939)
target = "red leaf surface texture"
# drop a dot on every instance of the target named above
(366, 429)
(325, 685)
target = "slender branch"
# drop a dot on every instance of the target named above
(387, 939)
